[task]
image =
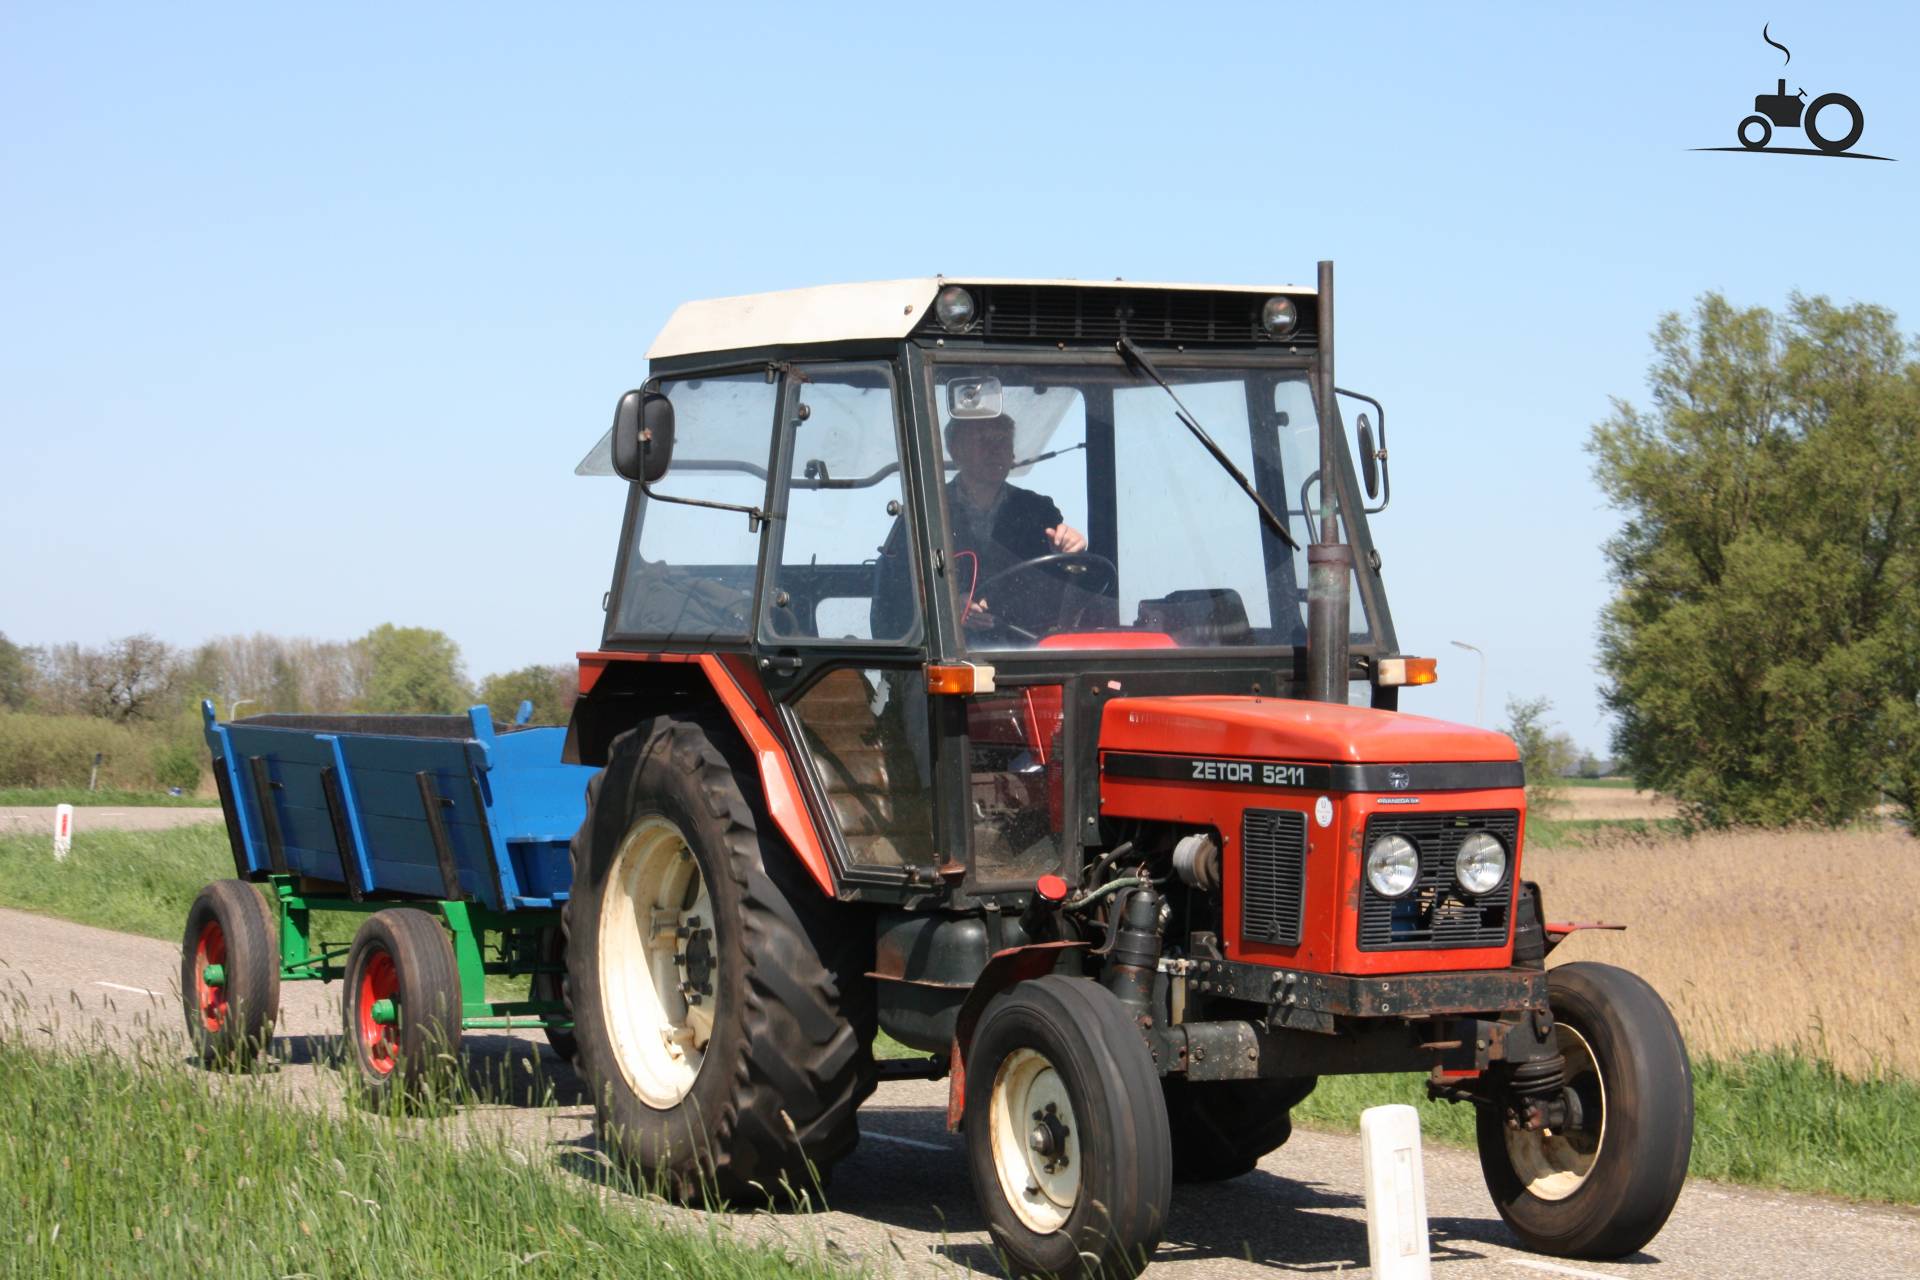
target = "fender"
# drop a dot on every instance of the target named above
(1004, 969)
(779, 784)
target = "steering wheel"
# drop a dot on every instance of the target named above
(1073, 562)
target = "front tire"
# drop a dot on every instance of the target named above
(717, 993)
(1066, 1132)
(1602, 1189)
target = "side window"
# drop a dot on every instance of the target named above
(691, 570)
(844, 571)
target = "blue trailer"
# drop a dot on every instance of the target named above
(447, 835)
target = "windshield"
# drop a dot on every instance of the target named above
(1081, 513)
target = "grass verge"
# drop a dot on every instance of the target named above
(111, 1165)
(81, 798)
(1775, 1119)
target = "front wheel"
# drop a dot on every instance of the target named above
(1067, 1135)
(1751, 140)
(1604, 1187)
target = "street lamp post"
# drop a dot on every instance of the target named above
(1480, 690)
(233, 712)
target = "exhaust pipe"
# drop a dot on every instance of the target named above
(1329, 560)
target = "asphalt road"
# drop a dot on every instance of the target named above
(903, 1199)
(38, 819)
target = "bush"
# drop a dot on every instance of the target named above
(57, 751)
(177, 764)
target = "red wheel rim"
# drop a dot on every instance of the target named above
(378, 981)
(210, 948)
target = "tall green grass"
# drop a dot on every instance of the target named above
(134, 881)
(105, 797)
(131, 1165)
(58, 751)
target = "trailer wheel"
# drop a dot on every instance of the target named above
(719, 998)
(402, 1002)
(553, 986)
(1066, 1131)
(1604, 1188)
(1221, 1128)
(230, 974)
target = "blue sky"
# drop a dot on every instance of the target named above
(306, 317)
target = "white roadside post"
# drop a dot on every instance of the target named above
(62, 831)
(1396, 1193)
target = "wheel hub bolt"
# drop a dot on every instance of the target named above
(1048, 1138)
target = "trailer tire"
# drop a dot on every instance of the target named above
(1602, 1190)
(404, 956)
(1059, 1059)
(231, 1022)
(553, 986)
(732, 1067)
(1221, 1128)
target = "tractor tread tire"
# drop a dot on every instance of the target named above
(1221, 1128)
(774, 1104)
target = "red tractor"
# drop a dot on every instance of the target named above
(1006, 666)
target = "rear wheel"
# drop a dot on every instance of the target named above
(553, 986)
(1603, 1187)
(1221, 1128)
(402, 1003)
(719, 997)
(1066, 1131)
(1856, 122)
(230, 973)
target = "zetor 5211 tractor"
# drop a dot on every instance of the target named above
(981, 667)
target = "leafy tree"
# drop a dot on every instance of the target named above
(551, 689)
(16, 671)
(1548, 757)
(413, 669)
(1762, 651)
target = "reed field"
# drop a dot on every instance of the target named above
(1804, 941)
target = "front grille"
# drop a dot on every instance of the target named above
(1273, 874)
(1064, 313)
(1436, 913)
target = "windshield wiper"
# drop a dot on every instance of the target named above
(1137, 358)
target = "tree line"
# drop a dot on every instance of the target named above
(140, 679)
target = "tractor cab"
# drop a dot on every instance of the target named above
(940, 521)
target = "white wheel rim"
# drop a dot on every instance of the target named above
(655, 920)
(1036, 1140)
(1553, 1165)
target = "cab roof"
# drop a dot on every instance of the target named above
(876, 310)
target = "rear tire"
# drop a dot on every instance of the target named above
(1221, 1128)
(230, 1022)
(405, 958)
(1066, 1131)
(719, 997)
(1604, 1189)
(553, 986)
(1856, 122)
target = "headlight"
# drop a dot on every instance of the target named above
(1393, 864)
(1482, 863)
(1279, 316)
(954, 309)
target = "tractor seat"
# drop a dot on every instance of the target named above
(1202, 617)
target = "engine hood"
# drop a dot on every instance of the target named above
(1257, 728)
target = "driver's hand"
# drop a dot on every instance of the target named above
(978, 615)
(1066, 538)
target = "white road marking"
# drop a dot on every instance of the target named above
(121, 986)
(1557, 1269)
(924, 1146)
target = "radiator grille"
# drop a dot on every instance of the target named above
(1273, 874)
(1436, 913)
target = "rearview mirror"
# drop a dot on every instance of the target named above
(643, 435)
(1369, 460)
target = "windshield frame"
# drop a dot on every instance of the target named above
(925, 360)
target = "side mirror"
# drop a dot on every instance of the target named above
(643, 436)
(1369, 459)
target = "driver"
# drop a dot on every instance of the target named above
(1000, 524)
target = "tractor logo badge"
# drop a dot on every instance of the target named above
(1397, 779)
(1832, 122)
